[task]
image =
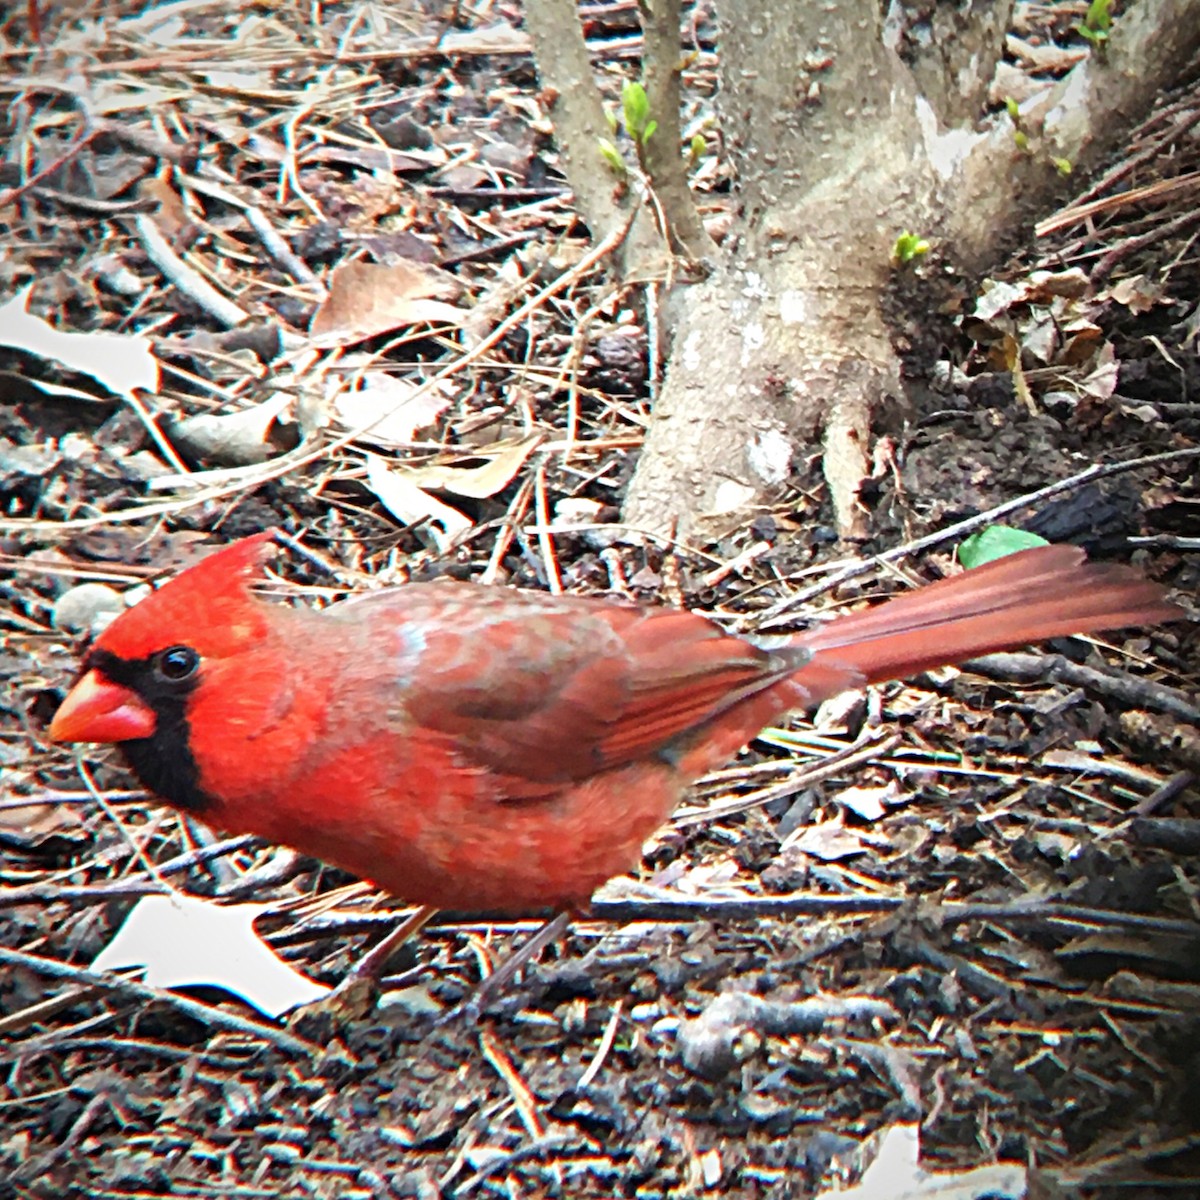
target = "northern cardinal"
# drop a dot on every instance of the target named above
(483, 748)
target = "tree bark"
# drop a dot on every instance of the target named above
(662, 156)
(603, 199)
(785, 350)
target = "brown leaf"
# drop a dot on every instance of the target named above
(1138, 294)
(366, 299)
(501, 462)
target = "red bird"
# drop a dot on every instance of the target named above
(483, 748)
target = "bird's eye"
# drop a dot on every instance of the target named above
(177, 663)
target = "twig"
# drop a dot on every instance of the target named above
(138, 849)
(714, 1043)
(11, 195)
(1178, 835)
(543, 1148)
(545, 541)
(522, 1097)
(866, 750)
(1175, 786)
(606, 1044)
(207, 1015)
(40, 1013)
(277, 247)
(1053, 668)
(1162, 191)
(197, 289)
(1167, 541)
(1131, 245)
(807, 904)
(772, 616)
(133, 885)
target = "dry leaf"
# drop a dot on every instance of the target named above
(408, 503)
(366, 299)
(17, 388)
(1012, 360)
(827, 841)
(386, 401)
(1101, 381)
(1081, 339)
(233, 439)
(996, 297)
(500, 38)
(34, 824)
(123, 363)
(184, 941)
(895, 1173)
(1042, 55)
(1138, 294)
(1042, 286)
(502, 461)
(870, 803)
(1040, 338)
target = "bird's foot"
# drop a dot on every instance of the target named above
(358, 992)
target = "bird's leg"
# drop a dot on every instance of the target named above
(490, 988)
(370, 966)
(356, 992)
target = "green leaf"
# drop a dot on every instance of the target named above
(1099, 16)
(907, 247)
(1098, 37)
(651, 126)
(1096, 23)
(996, 541)
(1013, 109)
(636, 105)
(612, 156)
(698, 147)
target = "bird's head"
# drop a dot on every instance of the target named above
(139, 673)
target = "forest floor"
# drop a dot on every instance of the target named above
(983, 883)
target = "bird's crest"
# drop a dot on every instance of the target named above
(209, 606)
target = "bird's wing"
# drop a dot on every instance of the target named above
(550, 689)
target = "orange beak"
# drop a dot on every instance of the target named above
(97, 710)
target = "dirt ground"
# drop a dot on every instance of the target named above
(982, 936)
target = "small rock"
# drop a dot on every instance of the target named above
(87, 608)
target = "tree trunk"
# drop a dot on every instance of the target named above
(785, 350)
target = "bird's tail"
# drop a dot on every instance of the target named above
(1048, 591)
